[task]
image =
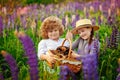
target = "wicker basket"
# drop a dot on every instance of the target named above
(67, 60)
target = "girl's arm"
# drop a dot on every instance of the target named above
(74, 54)
(75, 44)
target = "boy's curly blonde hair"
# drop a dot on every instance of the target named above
(49, 24)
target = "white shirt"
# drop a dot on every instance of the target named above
(49, 44)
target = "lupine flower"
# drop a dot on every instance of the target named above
(63, 73)
(87, 15)
(74, 20)
(100, 8)
(92, 9)
(23, 21)
(110, 20)
(90, 66)
(99, 20)
(93, 21)
(90, 63)
(1, 76)
(109, 12)
(8, 22)
(107, 42)
(78, 6)
(96, 4)
(114, 38)
(30, 53)
(85, 10)
(118, 77)
(1, 26)
(66, 73)
(118, 70)
(96, 45)
(12, 63)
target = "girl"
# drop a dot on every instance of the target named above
(87, 48)
(85, 42)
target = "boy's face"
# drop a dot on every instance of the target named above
(53, 34)
(85, 33)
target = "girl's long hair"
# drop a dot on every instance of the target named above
(91, 37)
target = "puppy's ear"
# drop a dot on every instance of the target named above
(63, 48)
(53, 52)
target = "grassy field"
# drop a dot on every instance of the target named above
(29, 22)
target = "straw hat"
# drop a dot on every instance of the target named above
(84, 23)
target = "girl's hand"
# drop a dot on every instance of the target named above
(69, 35)
(74, 55)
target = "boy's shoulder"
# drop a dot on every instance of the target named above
(43, 41)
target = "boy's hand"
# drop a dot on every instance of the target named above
(50, 60)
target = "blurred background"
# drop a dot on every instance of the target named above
(27, 15)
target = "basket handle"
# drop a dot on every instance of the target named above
(69, 54)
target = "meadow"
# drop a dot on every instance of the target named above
(20, 35)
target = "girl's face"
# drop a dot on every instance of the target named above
(53, 34)
(85, 32)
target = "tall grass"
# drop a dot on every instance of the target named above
(108, 56)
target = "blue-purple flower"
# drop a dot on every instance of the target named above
(118, 70)
(30, 53)
(1, 76)
(1, 26)
(66, 73)
(12, 64)
(90, 66)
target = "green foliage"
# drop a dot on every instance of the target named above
(43, 1)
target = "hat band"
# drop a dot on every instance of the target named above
(85, 25)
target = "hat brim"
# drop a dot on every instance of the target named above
(75, 30)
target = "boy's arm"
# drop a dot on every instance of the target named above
(42, 49)
(43, 57)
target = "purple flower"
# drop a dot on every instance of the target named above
(1, 76)
(99, 20)
(114, 38)
(90, 66)
(74, 21)
(93, 21)
(63, 73)
(118, 77)
(30, 53)
(23, 21)
(66, 73)
(107, 42)
(12, 63)
(1, 26)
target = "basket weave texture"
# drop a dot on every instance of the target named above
(63, 57)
